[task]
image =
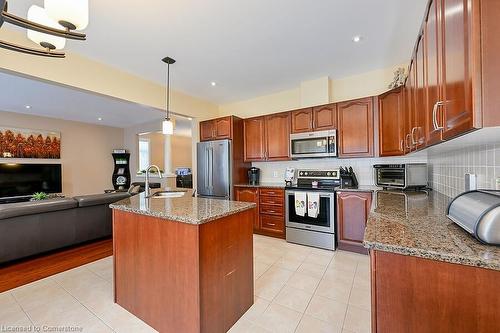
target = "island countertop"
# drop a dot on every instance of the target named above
(415, 224)
(186, 209)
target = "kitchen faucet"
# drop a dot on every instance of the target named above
(146, 184)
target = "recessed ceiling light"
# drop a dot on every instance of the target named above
(28, 106)
(213, 83)
(356, 39)
(99, 118)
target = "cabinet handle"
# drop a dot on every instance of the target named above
(413, 142)
(271, 224)
(406, 141)
(434, 116)
(401, 145)
(271, 211)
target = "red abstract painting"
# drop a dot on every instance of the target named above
(28, 143)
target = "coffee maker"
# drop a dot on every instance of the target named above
(253, 176)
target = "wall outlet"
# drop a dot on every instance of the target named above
(275, 174)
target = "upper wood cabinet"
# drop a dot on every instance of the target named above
(391, 117)
(278, 137)
(355, 121)
(419, 114)
(302, 120)
(217, 129)
(319, 118)
(352, 213)
(267, 138)
(254, 138)
(325, 117)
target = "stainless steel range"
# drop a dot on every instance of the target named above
(310, 208)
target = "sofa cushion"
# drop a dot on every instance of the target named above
(35, 207)
(100, 199)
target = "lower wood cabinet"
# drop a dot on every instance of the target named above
(271, 207)
(352, 213)
(412, 294)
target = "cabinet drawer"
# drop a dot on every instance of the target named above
(272, 223)
(276, 210)
(272, 192)
(268, 200)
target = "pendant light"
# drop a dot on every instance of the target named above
(168, 125)
(39, 15)
(73, 15)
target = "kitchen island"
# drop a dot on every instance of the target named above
(428, 274)
(183, 264)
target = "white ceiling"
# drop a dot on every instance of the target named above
(249, 48)
(50, 100)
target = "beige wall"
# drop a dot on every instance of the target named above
(366, 84)
(181, 151)
(87, 164)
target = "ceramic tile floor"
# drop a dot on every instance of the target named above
(297, 289)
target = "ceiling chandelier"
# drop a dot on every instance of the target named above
(49, 26)
(168, 125)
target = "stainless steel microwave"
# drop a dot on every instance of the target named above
(401, 176)
(314, 144)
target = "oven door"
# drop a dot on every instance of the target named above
(325, 222)
(314, 144)
(390, 177)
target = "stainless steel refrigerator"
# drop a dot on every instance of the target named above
(214, 169)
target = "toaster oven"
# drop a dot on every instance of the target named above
(402, 176)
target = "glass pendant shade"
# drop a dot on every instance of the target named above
(75, 12)
(168, 127)
(39, 15)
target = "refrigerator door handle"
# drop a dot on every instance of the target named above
(207, 184)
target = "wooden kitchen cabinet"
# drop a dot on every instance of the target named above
(419, 114)
(325, 117)
(440, 293)
(217, 129)
(355, 121)
(267, 138)
(249, 194)
(302, 120)
(270, 207)
(352, 213)
(391, 117)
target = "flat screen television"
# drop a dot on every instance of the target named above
(25, 179)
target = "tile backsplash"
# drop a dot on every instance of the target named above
(275, 171)
(447, 169)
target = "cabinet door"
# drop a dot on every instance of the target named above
(419, 116)
(325, 117)
(391, 123)
(207, 130)
(302, 120)
(352, 213)
(278, 137)
(249, 195)
(254, 133)
(409, 107)
(223, 128)
(433, 74)
(356, 128)
(457, 87)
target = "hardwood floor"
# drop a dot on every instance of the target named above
(25, 271)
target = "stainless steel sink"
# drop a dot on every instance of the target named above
(168, 194)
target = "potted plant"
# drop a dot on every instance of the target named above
(39, 196)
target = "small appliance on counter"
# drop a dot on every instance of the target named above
(253, 176)
(402, 176)
(348, 178)
(478, 213)
(290, 176)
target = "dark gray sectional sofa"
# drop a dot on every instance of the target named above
(29, 228)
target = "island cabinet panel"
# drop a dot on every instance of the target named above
(391, 123)
(355, 120)
(325, 117)
(352, 213)
(302, 120)
(181, 277)
(417, 295)
(254, 138)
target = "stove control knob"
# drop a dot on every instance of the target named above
(305, 173)
(328, 173)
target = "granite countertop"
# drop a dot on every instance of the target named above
(280, 185)
(184, 209)
(415, 224)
